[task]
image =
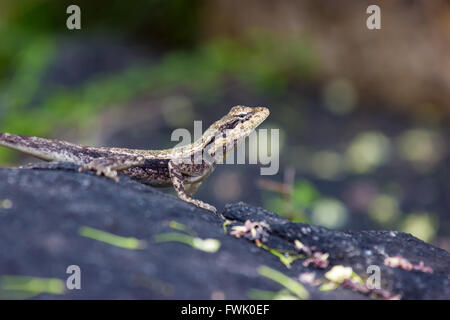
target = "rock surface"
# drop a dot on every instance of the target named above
(42, 211)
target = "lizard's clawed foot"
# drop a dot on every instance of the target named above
(197, 203)
(206, 206)
(100, 170)
(201, 204)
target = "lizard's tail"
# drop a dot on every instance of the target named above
(45, 149)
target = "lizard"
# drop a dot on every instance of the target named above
(183, 167)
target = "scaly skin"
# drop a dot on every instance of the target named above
(160, 168)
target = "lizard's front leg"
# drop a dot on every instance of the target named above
(109, 166)
(177, 180)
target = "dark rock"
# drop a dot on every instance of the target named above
(39, 236)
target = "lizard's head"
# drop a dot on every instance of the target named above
(240, 121)
(237, 124)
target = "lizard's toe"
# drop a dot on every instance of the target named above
(108, 172)
(101, 170)
(208, 207)
(112, 174)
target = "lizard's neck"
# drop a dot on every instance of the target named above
(210, 144)
(223, 135)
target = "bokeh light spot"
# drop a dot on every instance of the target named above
(421, 225)
(384, 208)
(423, 148)
(367, 151)
(329, 213)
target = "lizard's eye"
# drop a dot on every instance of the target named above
(241, 115)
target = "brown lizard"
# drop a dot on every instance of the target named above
(183, 167)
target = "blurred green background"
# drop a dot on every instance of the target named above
(363, 115)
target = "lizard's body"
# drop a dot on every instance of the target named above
(183, 167)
